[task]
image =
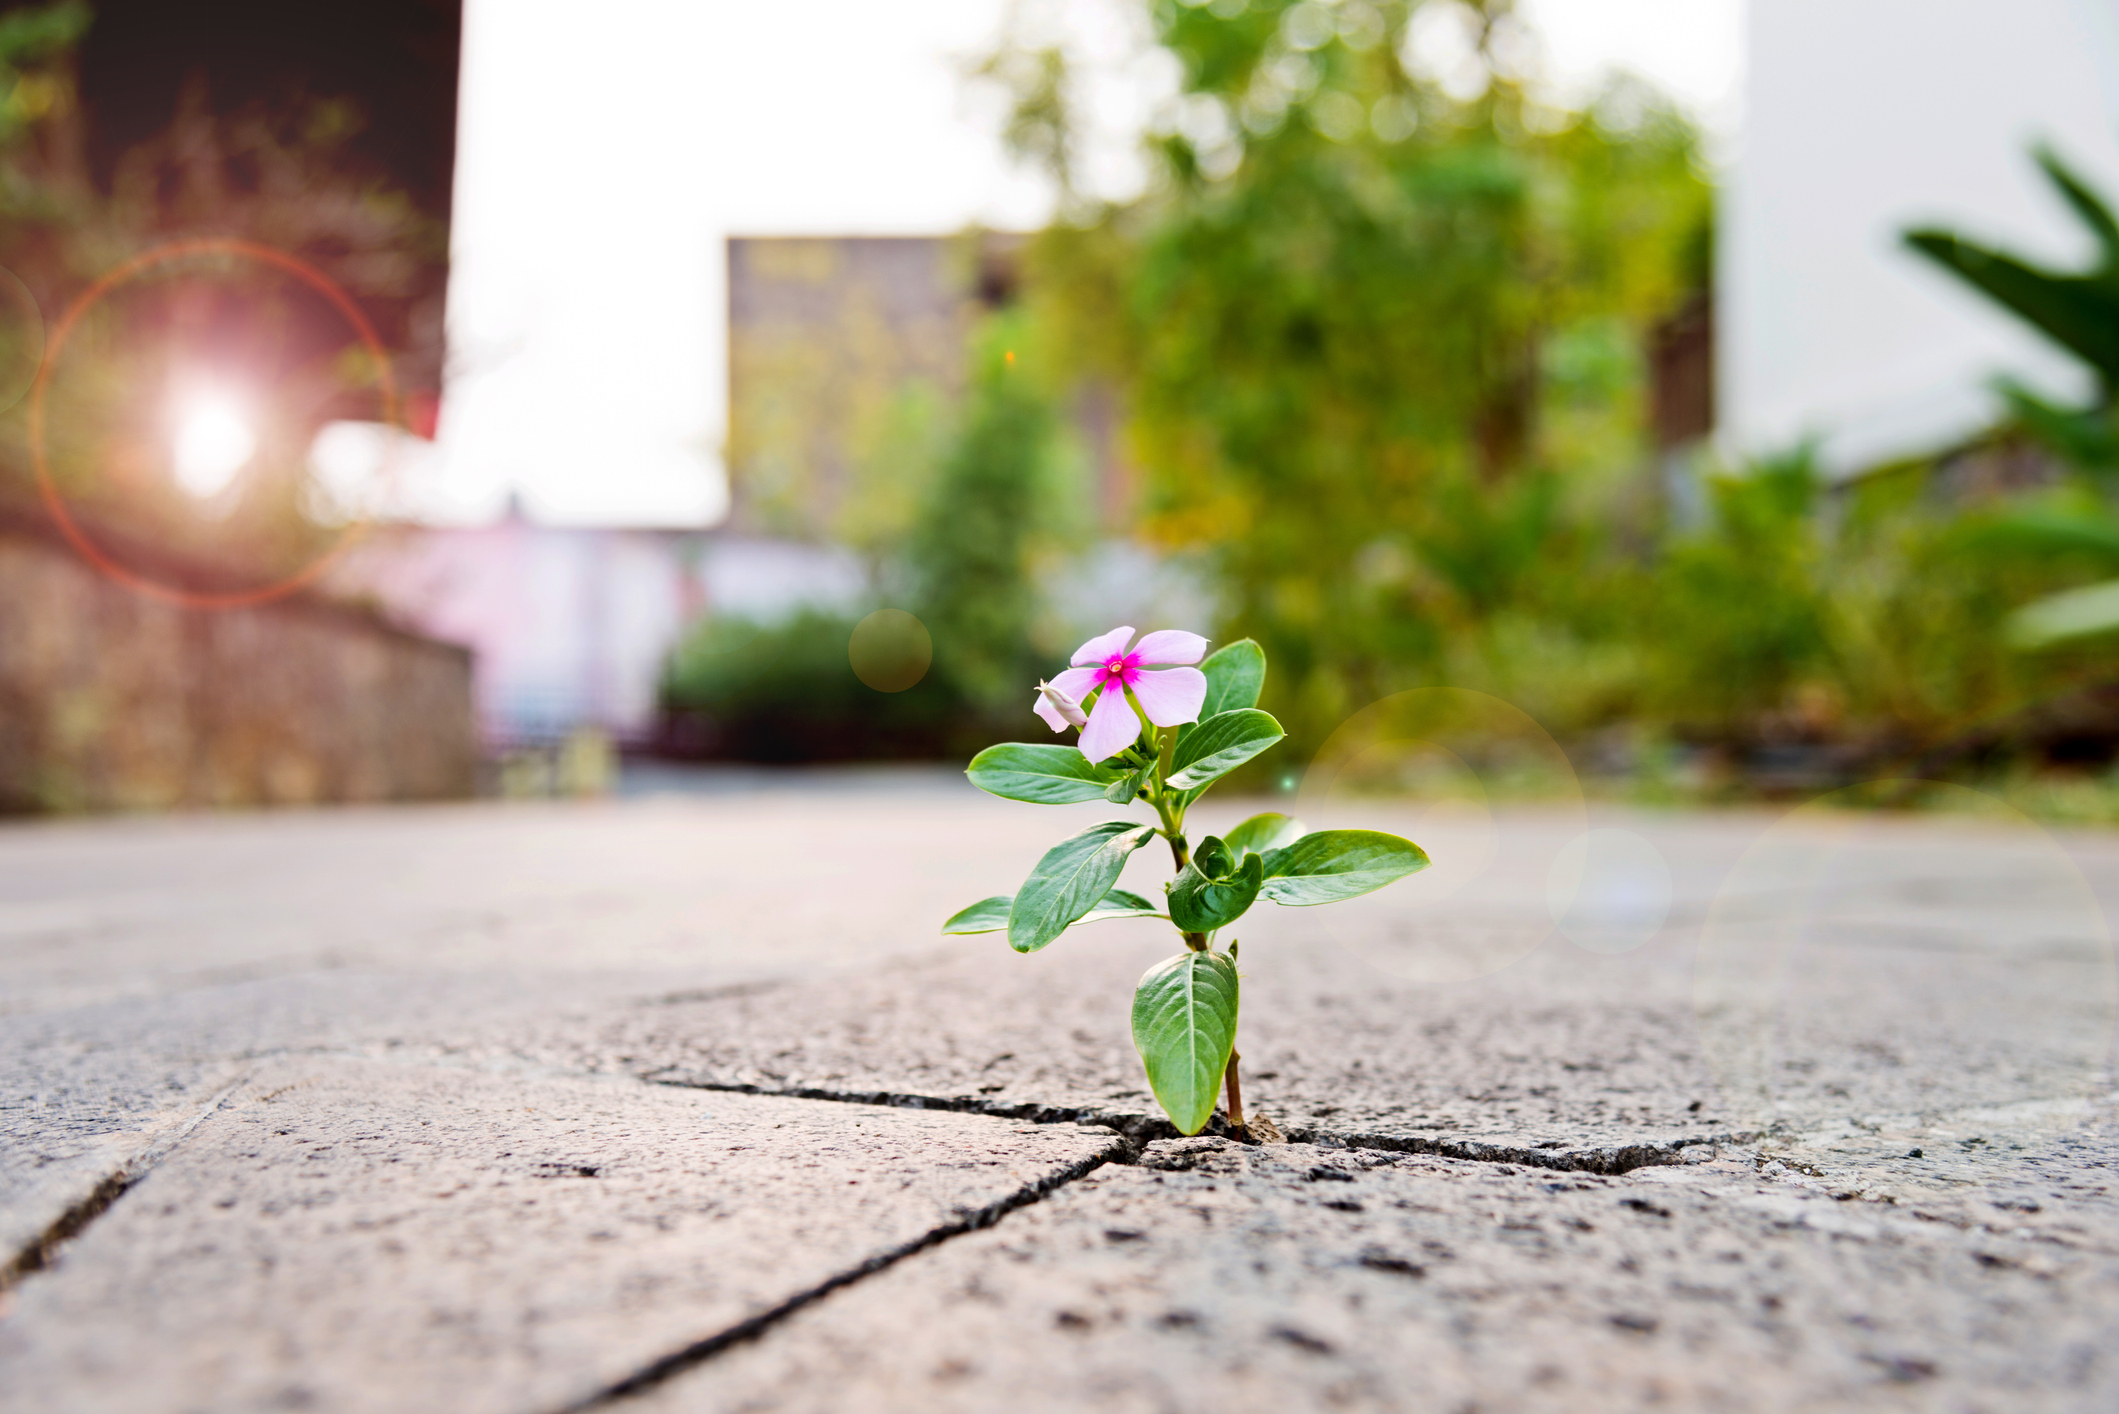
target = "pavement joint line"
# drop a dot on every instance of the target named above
(38, 1252)
(1136, 1128)
(1139, 1129)
(743, 1332)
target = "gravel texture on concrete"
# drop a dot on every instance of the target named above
(1217, 1277)
(359, 1235)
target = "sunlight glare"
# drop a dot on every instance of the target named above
(213, 444)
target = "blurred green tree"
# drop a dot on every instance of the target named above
(1334, 319)
(996, 507)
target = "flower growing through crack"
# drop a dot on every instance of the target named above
(1207, 724)
(1156, 674)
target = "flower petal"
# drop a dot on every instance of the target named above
(1170, 645)
(1112, 725)
(1077, 683)
(1050, 713)
(1097, 649)
(1171, 696)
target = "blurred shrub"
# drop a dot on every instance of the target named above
(787, 692)
(1871, 615)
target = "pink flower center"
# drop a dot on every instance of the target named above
(1123, 667)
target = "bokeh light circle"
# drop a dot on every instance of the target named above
(1432, 765)
(890, 650)
(1862, 994)
(1609, 890)
(302, 270)
(21, 338)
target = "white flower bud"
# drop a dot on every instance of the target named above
(1067, 707)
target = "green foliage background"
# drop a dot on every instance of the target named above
(1381, 355)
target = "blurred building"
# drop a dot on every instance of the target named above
(396, 59)
(324, 131)
(1861, 120)
(381, 75)
(845, 356)
(837, 348)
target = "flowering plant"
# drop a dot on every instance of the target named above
(1155, 729)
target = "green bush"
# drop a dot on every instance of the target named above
(742, 691)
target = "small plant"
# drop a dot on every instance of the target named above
(1156, 729)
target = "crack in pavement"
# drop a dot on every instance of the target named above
(1141, 1129)
(36, 1254)
(700, 1351)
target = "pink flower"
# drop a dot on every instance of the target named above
(1171, 696)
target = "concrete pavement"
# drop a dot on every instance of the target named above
(680, 1102)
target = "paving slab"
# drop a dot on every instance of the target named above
(1892, 976)
(143, 961)
(1219, 1277)
(360, 1235)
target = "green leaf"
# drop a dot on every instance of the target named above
(2059, 618)
(1235, 675)
(1042, 775)
(1122, 903)
(1184, 1026)
(1123, 790)
(1073, 876)
(2078, 312)
(991, 915)
(1336, 864)
(988, 915)
(2088, 205)
(2087, 438)
(2047, 530)
(1263, 832)
(1200, 903)
(1222, 743)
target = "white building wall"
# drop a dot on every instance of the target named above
(1862, 118)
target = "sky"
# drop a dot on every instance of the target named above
(602, 162)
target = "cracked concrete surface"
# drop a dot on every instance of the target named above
(1213, 1276)
(447, 1109)
(362, 1235)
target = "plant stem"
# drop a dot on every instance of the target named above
(1173, 827)
(1180, 855)
(1235, 1095)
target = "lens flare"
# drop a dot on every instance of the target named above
(214, 442)
(1430, 765)
(1609, 890)
(890, 650)
(175, 252)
